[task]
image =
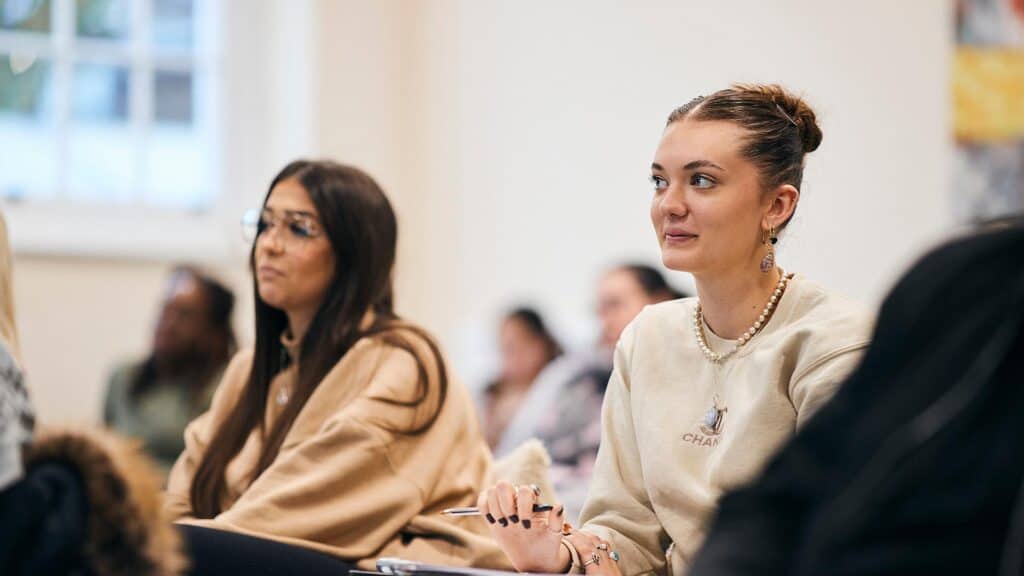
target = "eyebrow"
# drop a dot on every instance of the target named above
(702, 164)
(691, 165)
(294, 213)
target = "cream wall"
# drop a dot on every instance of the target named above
(541, 119)
(514, 139)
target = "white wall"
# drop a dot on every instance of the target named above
(514, 139)
(558, 106)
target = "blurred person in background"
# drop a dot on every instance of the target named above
(17, 418)
(527, 347)
(153, 399)
(72, 500)
(622, 293)
(571, 431)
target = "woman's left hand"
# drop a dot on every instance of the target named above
(596, 554)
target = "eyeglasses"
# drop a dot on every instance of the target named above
(298, 227)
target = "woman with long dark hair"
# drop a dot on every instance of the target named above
(340, 437)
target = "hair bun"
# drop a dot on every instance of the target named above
(801, 114)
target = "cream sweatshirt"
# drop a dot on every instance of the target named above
(679, 430)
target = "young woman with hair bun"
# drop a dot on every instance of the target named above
(705, 389)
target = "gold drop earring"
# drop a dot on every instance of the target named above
(769, 238)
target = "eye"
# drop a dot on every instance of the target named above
(658, 182)
(263, 224)
(699, 180)
(301, 229)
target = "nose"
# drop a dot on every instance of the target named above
(270, 240)
(673, 202)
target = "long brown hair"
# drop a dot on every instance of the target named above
(361, 227)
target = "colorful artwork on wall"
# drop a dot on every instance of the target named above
(988, 109)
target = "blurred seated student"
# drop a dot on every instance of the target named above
(71, 502)
(570, 426)
(917, 464)
(17, 418)
(342, 435)
(154, 398)
(527, 347)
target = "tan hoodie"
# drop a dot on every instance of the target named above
(344, 483)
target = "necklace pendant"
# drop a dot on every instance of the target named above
(282, 396)
(711, 417)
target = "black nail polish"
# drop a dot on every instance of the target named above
(561, 509)
(514, 518)
(503, 522)
(526, 524)
(490, 518)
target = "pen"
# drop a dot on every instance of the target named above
(474, 511)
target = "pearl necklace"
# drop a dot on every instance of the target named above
(698, 323)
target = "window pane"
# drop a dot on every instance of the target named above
(101, 163)
(28, 137)
(172, 92)
(173, 22)
(100, 93)
(176, 168)
(101, 144)
(25, 87)
(27, 15)
(108, 19)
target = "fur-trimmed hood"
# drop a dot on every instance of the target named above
(127, 532)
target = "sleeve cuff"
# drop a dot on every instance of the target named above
(575, 565)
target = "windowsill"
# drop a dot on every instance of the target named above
(122, 232)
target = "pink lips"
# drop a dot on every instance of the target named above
(676, 236)
(268, 272)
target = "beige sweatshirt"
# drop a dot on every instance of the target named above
(344, 483)
(679, 430)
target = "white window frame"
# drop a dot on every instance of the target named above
(134, 230)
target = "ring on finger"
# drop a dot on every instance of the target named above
(611, 553)
(594, 559)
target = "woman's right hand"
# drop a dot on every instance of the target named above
(533, 541)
